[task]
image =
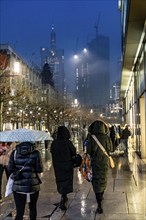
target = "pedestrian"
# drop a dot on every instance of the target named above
(5, 151)
(54, 135)
(62, 149)
(84, 135)
(119, 134)
(113, 136)
(27, 187)
(126, 133)
(47, 141)
(99, 161)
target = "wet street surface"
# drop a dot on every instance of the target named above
(124, 198)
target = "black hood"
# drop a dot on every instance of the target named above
(25, 148)
(97, 127)
(63, 133)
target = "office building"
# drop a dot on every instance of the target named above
(92, 73)
(133, 79)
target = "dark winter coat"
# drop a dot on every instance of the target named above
(29, 181)
(100, 162)
(126, 133)
(113, 132)
(61, 150)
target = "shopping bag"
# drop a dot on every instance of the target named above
(86, 167)
(9, 186)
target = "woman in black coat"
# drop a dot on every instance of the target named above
(100, 162)
(62, 150)
(27, 186)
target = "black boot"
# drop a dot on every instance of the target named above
(62, 202)
(99, 208)
(99, 199)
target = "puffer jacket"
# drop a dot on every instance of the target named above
(100, 162)
(29, 181)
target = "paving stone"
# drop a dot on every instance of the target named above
(124, 198)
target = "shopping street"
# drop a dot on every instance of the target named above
(124, 198)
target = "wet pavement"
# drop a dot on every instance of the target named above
(124, 198)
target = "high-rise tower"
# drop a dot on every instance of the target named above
(53, 41)
(56, 62)
(93, 74)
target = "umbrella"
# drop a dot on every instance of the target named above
(24, 135)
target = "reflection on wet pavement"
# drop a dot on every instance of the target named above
(124, 199)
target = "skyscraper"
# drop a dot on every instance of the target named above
(92, 73)
(55, 59)
(56, 62)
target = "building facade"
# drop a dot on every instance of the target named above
(22, 91)
(133, 78)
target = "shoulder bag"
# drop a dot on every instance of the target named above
(76, 160)
(112, 164)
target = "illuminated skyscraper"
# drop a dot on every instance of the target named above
(55, 59)
(93, 74)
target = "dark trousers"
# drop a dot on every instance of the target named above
(99, 197)
(20, 201)
(2, 169)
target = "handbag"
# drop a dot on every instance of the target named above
(111, 161)
(17, 175)
(76, 160)
(9, 186)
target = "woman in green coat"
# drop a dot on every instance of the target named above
(100, 162)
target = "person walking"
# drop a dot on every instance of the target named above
(5, 151)
(99, 161)
(126, 133)
(27, 187)
(84, 135)
(113, 137)
(47, 141)
(62, 150)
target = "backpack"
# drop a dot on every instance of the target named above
(86, 167)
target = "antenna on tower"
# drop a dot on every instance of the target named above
(76, 47)
(96, 26)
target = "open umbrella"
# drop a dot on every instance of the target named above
(23, 135)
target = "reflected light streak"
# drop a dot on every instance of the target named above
(80, 178)
(119, 166)
(83, 207)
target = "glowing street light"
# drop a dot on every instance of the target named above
(76, 56)
(76, 102)
(91, 110)
(16, 67)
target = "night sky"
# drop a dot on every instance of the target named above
(26, 26)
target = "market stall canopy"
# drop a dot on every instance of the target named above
(24, 135)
